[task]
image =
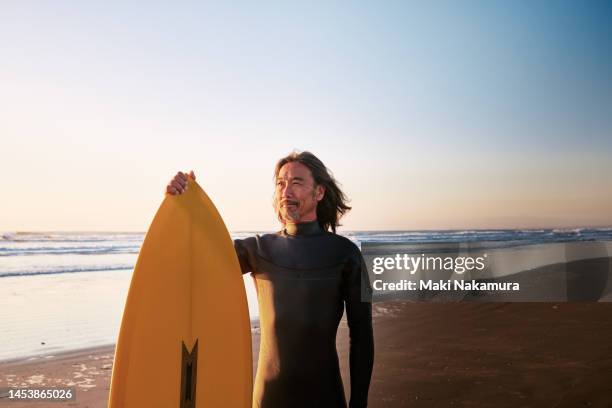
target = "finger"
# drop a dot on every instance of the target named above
(192, 174)
(171, 190)
(180, 175)
(187, 180)
(182, 181)
(178, 186)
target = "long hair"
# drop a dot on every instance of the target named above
(333, 204)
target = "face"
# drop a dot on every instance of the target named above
(296, 195)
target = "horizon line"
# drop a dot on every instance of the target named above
(573, 227)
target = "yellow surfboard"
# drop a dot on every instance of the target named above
(185, 338)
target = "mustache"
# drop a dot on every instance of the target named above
(288, 202)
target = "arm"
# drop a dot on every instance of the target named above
(241, 246)
(359, 318)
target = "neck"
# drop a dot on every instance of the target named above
(303, 228)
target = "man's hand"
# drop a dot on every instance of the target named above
(179, 183)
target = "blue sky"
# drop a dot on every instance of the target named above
(431, 114)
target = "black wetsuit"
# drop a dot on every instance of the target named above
(304, 276)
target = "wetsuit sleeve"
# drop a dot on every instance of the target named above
(242, 251)
(359, 318)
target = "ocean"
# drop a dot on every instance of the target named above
(41, 253)
(66, 290)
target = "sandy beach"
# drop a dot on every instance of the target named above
(473, 353)
(427, 355)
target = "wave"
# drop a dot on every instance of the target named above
(524, 236)
(82, 250)
(54, 271)
(19, 251)
(70, 237)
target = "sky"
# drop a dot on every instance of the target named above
(431, 115)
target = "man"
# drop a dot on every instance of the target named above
(304, 276)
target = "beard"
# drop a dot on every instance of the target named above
(287, 213)
(290, 214)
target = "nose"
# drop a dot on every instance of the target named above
(286, 191)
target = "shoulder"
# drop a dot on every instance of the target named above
(244, 241)
(347, 245)
(255, 241)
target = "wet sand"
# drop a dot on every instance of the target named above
(493, 354)
(464, 354)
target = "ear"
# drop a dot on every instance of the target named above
(320, 192)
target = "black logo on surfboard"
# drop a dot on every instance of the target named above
(189, 371)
